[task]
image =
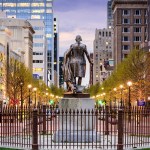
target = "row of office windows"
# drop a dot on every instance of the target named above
(38, 36)
(135, 29)
(37, 69)
(136, 21)
(37, 61)
(107, 34)
(28, 16)
(37, 53)
(38, 44)
(38, 28)
(33, 11)
(135, 38)
(26, 4)
(127, 47)
(136, 12)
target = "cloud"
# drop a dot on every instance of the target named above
(83, 24)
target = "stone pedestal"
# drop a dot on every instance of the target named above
(76, 125)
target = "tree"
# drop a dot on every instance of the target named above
(135, 68)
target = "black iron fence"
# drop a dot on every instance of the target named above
(47, 127)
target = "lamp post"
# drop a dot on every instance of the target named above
(115, 89)
(121, 90)
(29, 87)
(35, 89)
(21, 85)
(129, 99)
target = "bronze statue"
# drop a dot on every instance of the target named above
(76, 60)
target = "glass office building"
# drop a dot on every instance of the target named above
(34, 9)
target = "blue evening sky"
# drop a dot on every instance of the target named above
(79, 17)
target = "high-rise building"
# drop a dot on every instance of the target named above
(103, 51)
(130, 26)
(21, 39)
(39, 50)
(61, 77)
(56, 52)
(36, 10)
(109, 14)
(91, 70)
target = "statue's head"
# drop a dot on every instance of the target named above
(78, 38)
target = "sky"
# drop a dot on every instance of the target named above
(79, 17)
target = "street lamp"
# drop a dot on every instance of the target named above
(129, 101)
(35, 89)
(21, 85)
(29, 87)
(121, 88)
(115, 89)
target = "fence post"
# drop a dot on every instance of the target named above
(120, 130)
(106, 121)
(44, 119)
(35, 131)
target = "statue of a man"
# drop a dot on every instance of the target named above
(77, 60)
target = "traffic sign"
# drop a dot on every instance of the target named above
(141, 103)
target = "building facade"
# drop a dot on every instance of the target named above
(103, 51)
(22, 38)
(35, 10)
(109, 14)
(130, 26)
(5, 46)
(61, 77)
(91, 70)
(56, 52)
(39, 50)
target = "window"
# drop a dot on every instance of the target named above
(125, 38)
(9, 4)
(37, 61)
(35, 17)
(106, 34)
(125, 47)
(38, 28)
(137, 46)
(145, 21)
(23, 4)
(49, 11)
(137, 12)
(49, 5)
(125, 55)
(146, 13)
(125, 29)
(38, 36)
(38, 44)
(37, 69)
(137, 21)
(109, 34)
(126, 12)
(137, 29)
(126, 21)
(37, 5)
(37, 53)
(146, 30)
(137, 38)
(38, 11)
